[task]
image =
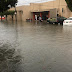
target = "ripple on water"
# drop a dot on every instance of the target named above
(9, 61)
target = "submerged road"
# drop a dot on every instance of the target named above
(35, 47)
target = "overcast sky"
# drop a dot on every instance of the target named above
(27, 2)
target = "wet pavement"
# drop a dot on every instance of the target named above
(35, 47)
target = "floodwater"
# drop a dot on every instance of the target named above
(35, 47)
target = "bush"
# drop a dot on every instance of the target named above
(9, 13)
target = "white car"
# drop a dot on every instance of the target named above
(68, 21)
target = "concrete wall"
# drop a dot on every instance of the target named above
(59, 4)
(35, 7)
(23, 12)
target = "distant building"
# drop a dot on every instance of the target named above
(42, 9)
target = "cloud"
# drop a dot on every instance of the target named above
(27, 2)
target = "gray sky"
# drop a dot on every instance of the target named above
(27, 2)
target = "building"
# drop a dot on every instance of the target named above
(42, 9)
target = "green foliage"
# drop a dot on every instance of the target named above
(1, 14)
(4, 4)
(69, 4)
(7, 13)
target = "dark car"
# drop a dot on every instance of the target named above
(61, 19)
(56, 21)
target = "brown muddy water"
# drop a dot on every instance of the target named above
(35, 47)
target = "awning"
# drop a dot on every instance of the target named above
(40, 10)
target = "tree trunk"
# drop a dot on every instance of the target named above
(1, 17)
(6, 17)
(12, 17)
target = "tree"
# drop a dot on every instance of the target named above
(69, 4)
(4, 5)
(11, 12)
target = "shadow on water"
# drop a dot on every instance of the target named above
(9, 62)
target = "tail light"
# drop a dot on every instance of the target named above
(63, 21)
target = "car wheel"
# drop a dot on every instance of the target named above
(58, 23)
(47, 22)
(53, 23)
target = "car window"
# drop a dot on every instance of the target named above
(69, 19)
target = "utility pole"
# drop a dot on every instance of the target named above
(15, 12)
(58, 6)
(62, 11)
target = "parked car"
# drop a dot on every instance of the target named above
(51, 20)
(2, 17)
(68, 21)
(61, 19)
(28, 20)
(56, 21)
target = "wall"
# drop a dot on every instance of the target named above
(37, 7)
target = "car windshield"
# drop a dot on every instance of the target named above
(69, 19)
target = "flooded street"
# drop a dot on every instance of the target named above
(35, 47)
